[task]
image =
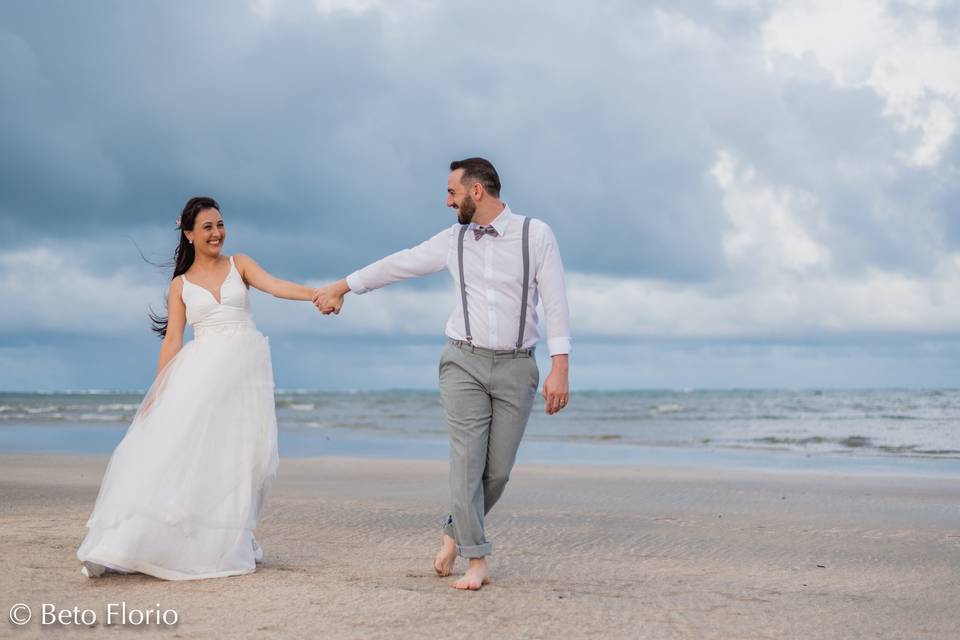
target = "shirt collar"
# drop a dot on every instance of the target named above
(500, 222)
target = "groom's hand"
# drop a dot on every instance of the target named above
(556, 389)
(329, 299)
(318, 302)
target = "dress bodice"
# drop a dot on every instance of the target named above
(205, 313)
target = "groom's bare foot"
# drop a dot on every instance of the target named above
(443, 563)
(475, 577)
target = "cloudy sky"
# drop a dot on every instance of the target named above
(746, 193)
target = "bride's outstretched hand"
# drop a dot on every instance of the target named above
(329, 299)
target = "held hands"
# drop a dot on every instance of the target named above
(329, 299)
(556, 389)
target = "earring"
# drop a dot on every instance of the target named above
(190, 241)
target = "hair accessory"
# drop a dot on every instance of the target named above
(178, 223)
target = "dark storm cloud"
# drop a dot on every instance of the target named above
(325, 128)
(329, 134)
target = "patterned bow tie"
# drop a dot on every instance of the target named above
(479, 232)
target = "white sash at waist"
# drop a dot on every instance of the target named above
(208, 330)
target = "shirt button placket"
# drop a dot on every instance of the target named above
(490, 290)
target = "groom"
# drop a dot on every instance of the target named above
(502, 263)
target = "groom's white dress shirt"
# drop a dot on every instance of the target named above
(493, 270)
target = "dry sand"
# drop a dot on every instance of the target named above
(606, 552)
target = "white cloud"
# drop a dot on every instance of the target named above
(297, 9)
(675, 28)
(262, 8)
(349, 6)
(766, 232)
(909, 59)
(44, 290)
(881, 301)
(268, 10)
(740, 5)
(52, 292)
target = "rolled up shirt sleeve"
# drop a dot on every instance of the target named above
(427, 257)
(553, 294)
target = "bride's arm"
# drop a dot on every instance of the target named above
(254, 275)
(176, 320)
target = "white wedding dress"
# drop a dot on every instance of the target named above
(183, 490)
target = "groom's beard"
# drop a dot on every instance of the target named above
(466, 210)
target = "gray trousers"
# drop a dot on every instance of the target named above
(487, 397)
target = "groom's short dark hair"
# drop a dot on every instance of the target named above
(478, 170)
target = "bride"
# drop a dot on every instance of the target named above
(183, 490)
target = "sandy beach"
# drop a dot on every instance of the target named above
(579, 551)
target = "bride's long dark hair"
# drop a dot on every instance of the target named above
(183, 256)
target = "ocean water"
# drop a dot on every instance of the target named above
(810, 428)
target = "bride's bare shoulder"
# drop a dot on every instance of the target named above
(244, 263)
(242, 259)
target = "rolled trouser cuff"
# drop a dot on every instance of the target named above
(477, 551)
(448, 528)
(474, 551)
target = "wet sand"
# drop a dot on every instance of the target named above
(579, 552)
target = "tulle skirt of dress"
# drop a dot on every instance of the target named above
(183, 490)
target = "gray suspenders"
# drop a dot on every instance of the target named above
(463, 286)
(526, 282)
